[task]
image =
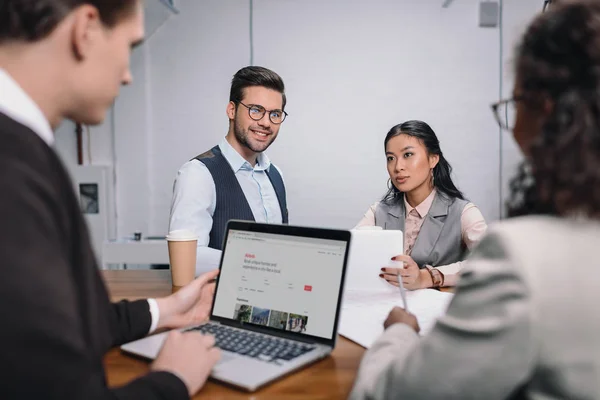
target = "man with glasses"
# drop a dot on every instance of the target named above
(235, 180)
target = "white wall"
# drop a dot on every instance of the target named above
(376, 64)
(193, 58)
(100, 138)
(353, 69)
(133, 141)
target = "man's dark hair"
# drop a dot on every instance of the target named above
(33, 20)
(255, 76)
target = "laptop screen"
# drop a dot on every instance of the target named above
(290, 283)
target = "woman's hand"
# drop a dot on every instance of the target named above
(412, 277)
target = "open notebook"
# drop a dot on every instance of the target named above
(363, 312)
(368, 299)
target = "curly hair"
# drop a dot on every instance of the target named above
(559, 60)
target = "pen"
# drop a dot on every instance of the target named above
(402, 291)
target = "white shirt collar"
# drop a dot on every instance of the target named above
(17, 105)
(237, 161)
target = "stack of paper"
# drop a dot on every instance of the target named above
(368, 299)
(364, 311)
(370, 250)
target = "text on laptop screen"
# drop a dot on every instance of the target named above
(290, 283)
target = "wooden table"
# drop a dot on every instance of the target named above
(331, 378)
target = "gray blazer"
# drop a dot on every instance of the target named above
(525, 322)
(440, 239)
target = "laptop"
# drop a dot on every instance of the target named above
(277, 302)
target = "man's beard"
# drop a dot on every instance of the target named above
(242, 136)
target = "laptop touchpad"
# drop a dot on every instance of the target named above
(225, 357)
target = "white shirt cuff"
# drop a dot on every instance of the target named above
(154, 313)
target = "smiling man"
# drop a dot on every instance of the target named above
(235, 180)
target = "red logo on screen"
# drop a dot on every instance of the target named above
(308, 288)
(248, 255)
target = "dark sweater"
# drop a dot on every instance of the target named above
(57, 319)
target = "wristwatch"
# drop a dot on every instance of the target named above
(436, 276)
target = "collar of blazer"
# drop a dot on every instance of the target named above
(439, 207)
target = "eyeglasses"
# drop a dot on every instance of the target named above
(505, 112)
(257, 113)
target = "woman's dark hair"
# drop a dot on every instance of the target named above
(441, 172)
(558, 62)
(255, 76)
(33, 20)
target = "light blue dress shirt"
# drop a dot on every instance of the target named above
(195, 198)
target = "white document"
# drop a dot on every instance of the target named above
(363, 312)
(370, 250)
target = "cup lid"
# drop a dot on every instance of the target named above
(182, 235)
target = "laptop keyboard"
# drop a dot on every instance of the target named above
(266, 348)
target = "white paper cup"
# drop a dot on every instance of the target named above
(182, 256)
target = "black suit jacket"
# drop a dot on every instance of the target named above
(57, 320)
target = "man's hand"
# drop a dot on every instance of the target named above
(190, 305)
(399, 316)
(190, 356)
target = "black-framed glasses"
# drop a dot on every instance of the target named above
(505, 112)
(257, 113)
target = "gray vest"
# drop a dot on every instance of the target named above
(231, 200)
(440, 238)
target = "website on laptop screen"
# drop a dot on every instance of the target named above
(285, 282)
